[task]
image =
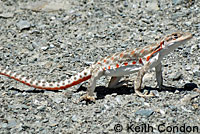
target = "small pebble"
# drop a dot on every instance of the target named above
(144, 112)
(21, 25)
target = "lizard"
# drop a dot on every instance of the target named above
(117, 65)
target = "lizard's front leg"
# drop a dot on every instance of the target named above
(138, 81)
(159, 77)
(96, 74)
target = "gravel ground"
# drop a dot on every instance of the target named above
(56, 39)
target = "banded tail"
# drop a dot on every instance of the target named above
(42, 84)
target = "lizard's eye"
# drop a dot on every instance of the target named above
(176, 36)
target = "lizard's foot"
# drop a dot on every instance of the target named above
(146, 95)
(196, 90)
(86, 97)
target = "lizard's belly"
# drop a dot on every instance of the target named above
(121, 71)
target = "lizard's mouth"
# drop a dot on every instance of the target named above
(174, 43)
(185, 37)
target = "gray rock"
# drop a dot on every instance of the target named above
(11, 124)
(41, 108)
(124, 45)
(118, 99)
(53, 123)
(75, 118)
(57, 99)
(4, 125)
(51, 46)
(172, 107)
(188, 68)
(22, 24)
(176, 76)
(176, 2)
(196, 73)
(45, 48)
(188, 23)
(153, 5)
(31, 47)
(7, 15)
(144, 112)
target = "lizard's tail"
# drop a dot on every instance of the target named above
(42, 84)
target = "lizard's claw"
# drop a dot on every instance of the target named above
(151, 94)
(196, 90)
(146, 95)
(86, 97)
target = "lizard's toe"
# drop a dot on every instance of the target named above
(145, 95)
(86, 97)
(151, 94)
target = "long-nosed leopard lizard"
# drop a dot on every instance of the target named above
(116, 65)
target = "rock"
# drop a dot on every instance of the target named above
(51, 46)
(41, 108)
(124, 45)
(11, 123)
(196, 72)
(177, 76)
(156, 93)
(53, 123)
(162, 111)
(66, 18)
(7, 15)
(4, 125)
(188, 68)
(31, 47)
(75, 118)
(88, 63)
(186, 110)
(172, 107)
(118, 99)
(21, 25)
(44, 48)
(188, 23)
(153, 5)
(57, 99)
(176, 2)
(144, 112)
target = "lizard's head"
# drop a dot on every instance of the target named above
(173, 40)
(169, 43)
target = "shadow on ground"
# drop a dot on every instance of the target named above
(102, 91)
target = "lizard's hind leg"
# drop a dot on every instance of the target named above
(95, 75)
(138, 81)
(116, 83)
